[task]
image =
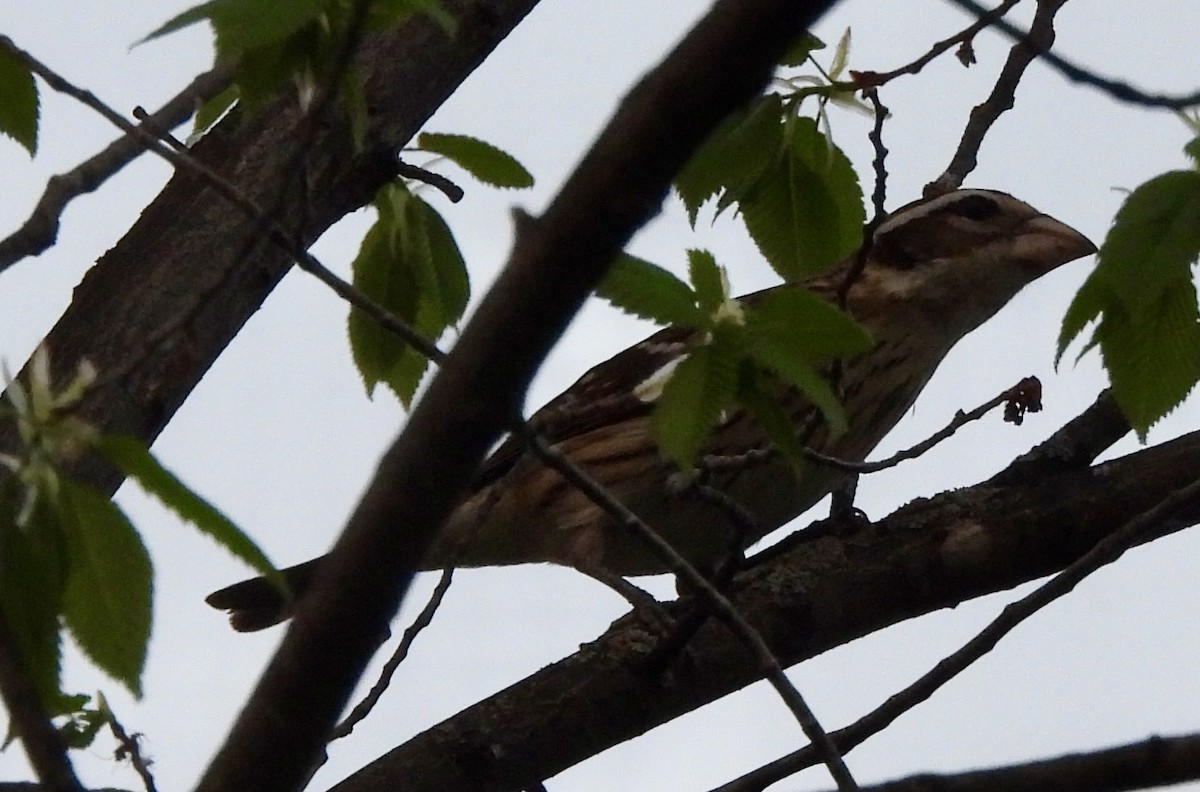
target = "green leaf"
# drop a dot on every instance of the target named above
(81, 726)
(1143, 295)
(702, 385)
(1089, 302)
(211, 111)
(442, 290)
(805, 214)
(1153, 362)
(106, 604)
(756, 394)
(643, 289)
(706, 280)
(33, 575)
(380, 275)
(137, 462)
(410, 265)
(388, 13)
(243, 25)
(191, 16)
(734, 156)
(1192, 149)
(18, 101)
(800, 373)
(799, 52)
(793, 318)
(484, 161)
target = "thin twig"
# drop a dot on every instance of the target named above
(718, 604)
(964, 36)
(760, 455)
(1037, 42)
(1117, 89)
(129, 748)
(1104, 552)
(423, 620)
(40, 231)
(878, 199)
(959, 420)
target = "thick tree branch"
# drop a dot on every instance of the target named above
(1156, 762)
(811, 596)
(725, 61)
(188, 241)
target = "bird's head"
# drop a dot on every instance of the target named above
(958, 258)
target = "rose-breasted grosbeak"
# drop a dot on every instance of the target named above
(937, 269)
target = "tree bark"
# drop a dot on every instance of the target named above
(193, 254)
(810, 596)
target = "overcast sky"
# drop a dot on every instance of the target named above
(281, 436)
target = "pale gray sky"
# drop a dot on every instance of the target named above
(281, 437)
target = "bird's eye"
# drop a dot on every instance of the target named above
(974, 207)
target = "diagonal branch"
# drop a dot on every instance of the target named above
(41, 229)
(814, 596)
(727, 59)
(1037, 42)
(1117, 89)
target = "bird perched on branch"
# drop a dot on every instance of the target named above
(937, 269)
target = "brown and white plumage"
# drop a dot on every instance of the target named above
(938, 268)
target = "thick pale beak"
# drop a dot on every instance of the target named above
(1046, 243)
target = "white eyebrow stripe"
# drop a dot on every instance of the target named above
(929, 207)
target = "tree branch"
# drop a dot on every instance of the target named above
(29, 721)
(40, 231)
(1037, 42)
(811, 596)
(1117, 89)
(726, 60)
(1158, 761)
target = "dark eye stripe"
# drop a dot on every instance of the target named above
(974, 207)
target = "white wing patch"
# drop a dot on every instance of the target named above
(651, 388)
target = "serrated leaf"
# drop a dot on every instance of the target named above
(18, 101)
(799, 52)
(410, 265)
(1087, 305)
(187, 18)
(1192, 149)
(796, 319)
(706, 280)
(243, 25)
(643, 289)
(1154, 240)
(692, 400)
(380, 273)
(33, 575)
(442, 289)
(454, 282)
(760, 400)
(801, 374)
(1153, 362)
(106, 604)
(485, 162)
(137, 462)
(734, 156)
(1142, 293)
(805, 214)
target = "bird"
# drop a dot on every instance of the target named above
(935, 269)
